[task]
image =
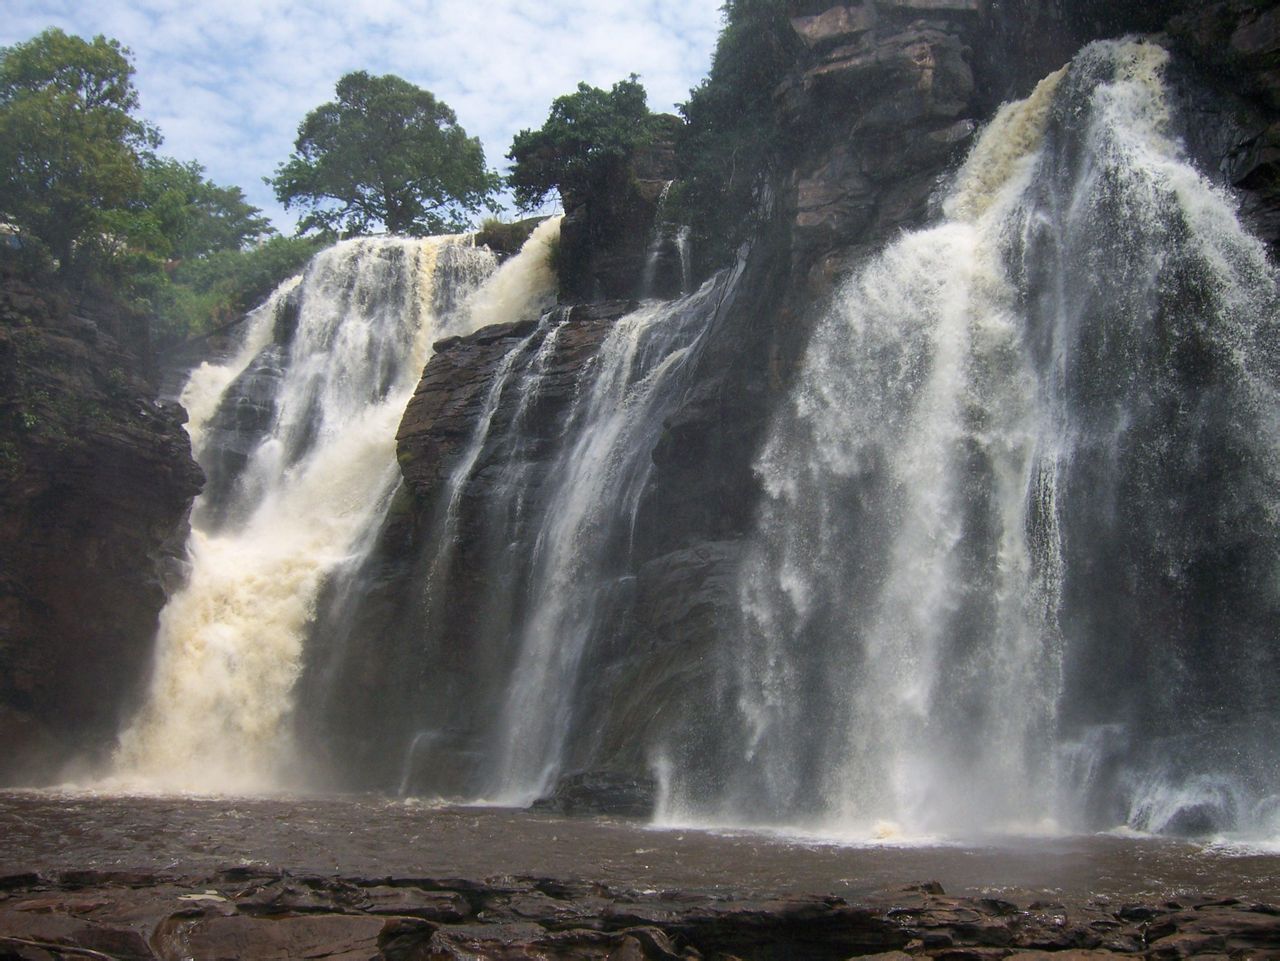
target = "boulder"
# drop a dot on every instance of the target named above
(615, 793)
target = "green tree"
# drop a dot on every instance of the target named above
(204, 292)
(385, 152)
(200, 255)
(192, 216)
(82, 185)
(586, 136)
(69, 163)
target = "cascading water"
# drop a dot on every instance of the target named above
(297, 436)
(1018, 564)
(667, 262)
(525, 571)
(580, 551)
(389, 617)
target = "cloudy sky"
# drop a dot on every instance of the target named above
(227, 81)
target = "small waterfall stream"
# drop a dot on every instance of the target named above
(668, 261)
(584, 541)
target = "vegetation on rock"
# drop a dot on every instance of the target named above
(587, 136)
(199, 294)
(384, 153)
(506, 239)
(733, 133)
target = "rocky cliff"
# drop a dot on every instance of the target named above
(95, 483)
(883, 101)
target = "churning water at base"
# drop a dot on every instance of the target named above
(297, 436)
(1018, 566)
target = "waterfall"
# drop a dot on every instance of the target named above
(414, 719)
(667, 271)
(584, 540)
(296, 433)
(1018, 563)
(524, 286)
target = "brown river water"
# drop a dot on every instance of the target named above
(360, 836)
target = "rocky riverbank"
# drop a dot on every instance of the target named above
(267, 913)
(362, 877)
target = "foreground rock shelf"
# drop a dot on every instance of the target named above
(265, 913)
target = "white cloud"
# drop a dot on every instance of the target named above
(228, 81)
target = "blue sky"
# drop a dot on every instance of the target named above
(227, 81)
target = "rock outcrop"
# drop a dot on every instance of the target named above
(605, 237)
(95, 483)
(258, 912)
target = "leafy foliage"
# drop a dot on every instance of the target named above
(192, 216)
(733, 134)
(586, 135)
(384, 153)
(69, 146)
(205, 292)
(86, 193)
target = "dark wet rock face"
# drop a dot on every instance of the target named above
(605, 235)
(95, 483)
(264, 914)
(601, 792)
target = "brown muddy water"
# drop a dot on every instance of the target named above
(44, 831)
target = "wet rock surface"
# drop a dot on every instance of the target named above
(266, 913)
(601, 792)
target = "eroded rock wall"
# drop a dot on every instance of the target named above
(95, 483)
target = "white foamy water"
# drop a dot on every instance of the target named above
(968, 599)
(318, 482)
(524, 286)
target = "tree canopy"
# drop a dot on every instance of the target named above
(192, 216)
(84, 189)
(384, 153)
(585, 134)
(69, 144)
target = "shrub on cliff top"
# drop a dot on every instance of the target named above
(587, 136)
(733, 135)
(384, 153)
